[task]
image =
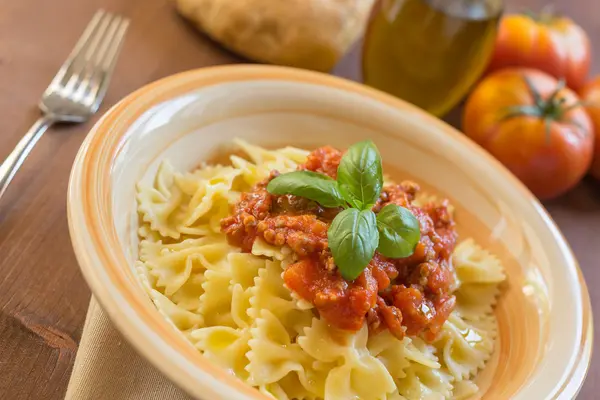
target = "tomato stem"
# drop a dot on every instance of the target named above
(560, 86)
(548, 110)
(537, 99)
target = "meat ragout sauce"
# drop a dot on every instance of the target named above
(409, 296)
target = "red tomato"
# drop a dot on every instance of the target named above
(590, 95)
(555, 45)
(534, 127)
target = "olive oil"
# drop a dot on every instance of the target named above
(429, 52)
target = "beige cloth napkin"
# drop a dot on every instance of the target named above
(107, 367)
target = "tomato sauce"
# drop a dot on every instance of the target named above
(409, 296)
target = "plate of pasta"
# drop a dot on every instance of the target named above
(268, 233)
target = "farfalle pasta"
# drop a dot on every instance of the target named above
(236, 307)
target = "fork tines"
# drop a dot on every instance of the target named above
(85, 73)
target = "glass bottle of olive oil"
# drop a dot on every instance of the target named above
(429, 52)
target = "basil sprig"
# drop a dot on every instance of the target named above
(356, 232)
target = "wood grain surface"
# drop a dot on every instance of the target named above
(43, 297)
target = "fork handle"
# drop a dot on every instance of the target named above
(15, 159)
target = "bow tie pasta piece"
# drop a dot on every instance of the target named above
(479, 274)
(188, 295)
(160, 204)
(209, 193)
(464, 390)
(288, 388)
(250, 172)
(173, 264)
(390, 351)
(190, 203)
(171, 268)
(263, 161)
(424, 378)
(464, 347)
(272, 353)
(422, 382)
(244, 268)
(419, 352)
(270, 294)
(240, 304)
(476, 265)
(349, 352)
(278, 364)
(179, 317)
(360, 375)
(225, 346)
(324, 343)
(192, 182)
(294, 154)
(282, 160)
(476, 300)
(365, 379)
(145, 232)
(216, 301)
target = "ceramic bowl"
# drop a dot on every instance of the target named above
(545, 336)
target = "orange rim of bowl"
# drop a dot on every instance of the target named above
(89, 188)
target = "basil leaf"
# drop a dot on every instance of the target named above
(311, 185)
(353, 239)
(360, 174)
(349, 198)
(399, 231)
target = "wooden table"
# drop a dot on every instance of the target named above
(43, 296)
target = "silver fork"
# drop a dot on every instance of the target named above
(78, 88)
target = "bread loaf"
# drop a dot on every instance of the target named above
(311, 34)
